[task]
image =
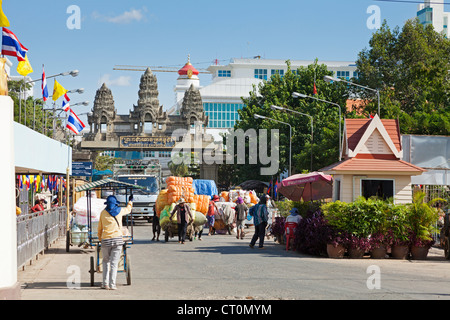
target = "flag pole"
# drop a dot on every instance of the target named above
(67, 183)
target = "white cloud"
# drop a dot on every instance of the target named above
(124, 18)
(122, 81)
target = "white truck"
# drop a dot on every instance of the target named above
(145, 173)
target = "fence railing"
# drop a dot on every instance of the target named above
(36, 231)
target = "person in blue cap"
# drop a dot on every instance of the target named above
(294, 216)
(110, 235)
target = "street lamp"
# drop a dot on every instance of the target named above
(80, 91)
(312, 127)
(300, 95)
(330, 79)
(73, 73)
(257, 116)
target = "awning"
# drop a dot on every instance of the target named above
(107, 184)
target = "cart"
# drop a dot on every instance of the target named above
(171, 230)
(75, 238)
(96, 262)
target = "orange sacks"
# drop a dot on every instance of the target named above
(179, 181)
(253, 198)
(201, 202)
(225, 196)
(161, 201)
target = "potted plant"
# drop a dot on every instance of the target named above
(278, 229)
(420, 247)
(336, 244)
(357, 246)
(422, 219)
(378, 244)
(312, 234)
(398, 233)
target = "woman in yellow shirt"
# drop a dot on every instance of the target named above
(110, 235)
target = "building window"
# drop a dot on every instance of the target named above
(224, 73)
(343, 74)
(108, 153)
(148, 154)
(277, 71)
(383, 189)
(261, 74)
(164, 154)
(355, 74)
(337, 190)
(222, 115)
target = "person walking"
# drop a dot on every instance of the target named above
(210, 216)
(241, 214)
(155, 225)
(260, 217)
(184, 216)
(110, 235)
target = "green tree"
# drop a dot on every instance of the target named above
(278, 91)
(30, 112)
(411, 69)
(104, 162)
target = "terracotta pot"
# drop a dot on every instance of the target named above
(378, 253)
(356, 253)
(336, 252)
(400, 252)
(419, 253)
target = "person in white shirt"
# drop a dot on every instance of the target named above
(294, 216)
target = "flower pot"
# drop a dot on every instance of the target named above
(336, 252)
(400, 252)
(356, 253)
(419, 252)
(378, 253)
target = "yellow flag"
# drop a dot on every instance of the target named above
(4, 22)
(58, 91)
(24, 67)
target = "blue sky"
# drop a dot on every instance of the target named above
(163, 33)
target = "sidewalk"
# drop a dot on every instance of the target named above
(53, 270)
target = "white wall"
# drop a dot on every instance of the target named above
(8, 237)
(38, 152)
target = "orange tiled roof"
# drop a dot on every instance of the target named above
(373, 165)
(356, 128)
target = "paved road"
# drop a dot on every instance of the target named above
(222, 267)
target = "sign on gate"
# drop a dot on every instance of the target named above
(82, 169)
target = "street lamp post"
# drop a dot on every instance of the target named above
(300, 95)
(80, 91)
(257, 116)
(73, 73)
(329, 79)
(312, 127)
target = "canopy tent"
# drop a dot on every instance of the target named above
(107, 184)
(309, 187)
(256, 185)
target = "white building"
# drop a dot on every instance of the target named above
(230, 83)
(432, 12)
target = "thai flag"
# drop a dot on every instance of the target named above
(11, 46)
(44, 86)
(66, 104)
(74, 123)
